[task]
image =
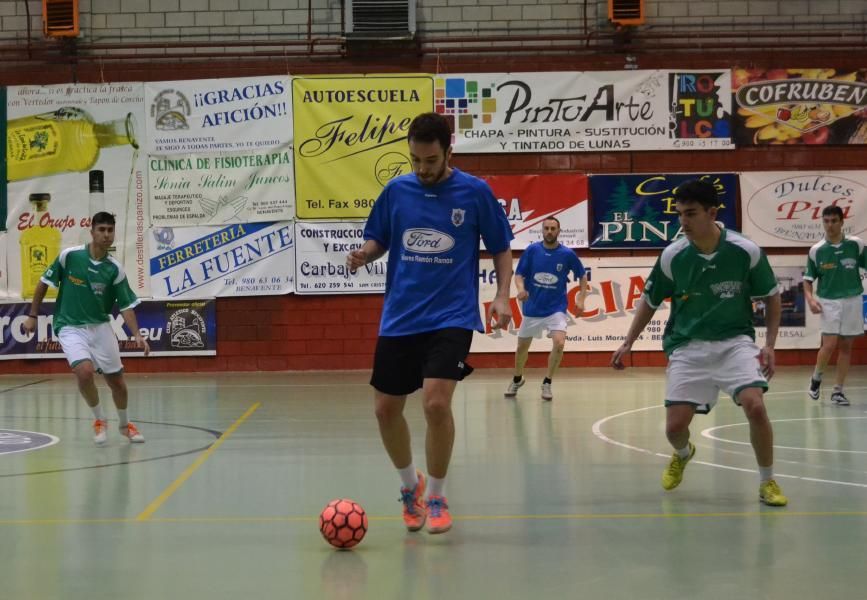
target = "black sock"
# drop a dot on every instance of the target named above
(547, 380)
(517, 378)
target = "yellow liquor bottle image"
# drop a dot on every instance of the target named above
(61, 141)
(40, 245)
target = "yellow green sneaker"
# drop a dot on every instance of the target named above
(771, 494)
(673, 475)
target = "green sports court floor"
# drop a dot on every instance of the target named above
(551, 500)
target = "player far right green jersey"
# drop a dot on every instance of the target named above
(88, 288)
(836, 268)
(711, 294)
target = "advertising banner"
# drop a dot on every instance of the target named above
(617, 284)
(530, 199)
(784, 208)
(320, 260)
(73, 150)
(637, 211)
(799, 106)
(587, 111)
(249, 259)
(350, 139)
(174, 328)
(220, 151)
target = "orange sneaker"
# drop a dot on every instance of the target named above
(438, 518)
(132, 432)
(414, 513)
(99, 432)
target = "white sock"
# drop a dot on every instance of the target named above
(838, 388)
(683, 452)
(435, 486)
(408, 476)
(121, 416)
(97, 412)
(817, 374)
(766, 473)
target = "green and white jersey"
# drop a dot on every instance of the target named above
(836, 268)
(711, 294)
(89, 288)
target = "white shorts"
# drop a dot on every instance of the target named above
(96, 343)
(699, 370)
(533, 326)
(843, 316)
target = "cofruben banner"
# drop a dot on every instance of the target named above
(530, 199)
(350, 139)
(587, 111)
(784, 208)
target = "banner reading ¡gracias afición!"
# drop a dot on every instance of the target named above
(617, 284)
(587, 111)
(247, 259)
(637, 211)
(220, 151)
(785, 208)
(350, 139)
(320, 260)
(184, 328)
(530, 199)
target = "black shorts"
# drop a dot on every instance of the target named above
(402, 363)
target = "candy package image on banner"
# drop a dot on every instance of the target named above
(72, 151)
(220, 151)
(350, 139)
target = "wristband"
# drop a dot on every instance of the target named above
(33, 316)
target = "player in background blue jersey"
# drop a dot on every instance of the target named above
(430, 222)
(540, 279)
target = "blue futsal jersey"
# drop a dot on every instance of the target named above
(544, 272)
(432, 237)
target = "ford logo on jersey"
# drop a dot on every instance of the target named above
(427, 241)
(545, 278)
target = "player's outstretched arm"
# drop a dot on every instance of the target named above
(773, 313)
(500, 306)
(369, 252)
(38, 295)
(643, 314)
(132, 324)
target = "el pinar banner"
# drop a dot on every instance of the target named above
(350, 139)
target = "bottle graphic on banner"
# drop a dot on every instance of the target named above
(40, 245)
(95, 201)
(61, 141)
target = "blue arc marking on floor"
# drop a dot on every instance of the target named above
(13, 441)
(213, 432)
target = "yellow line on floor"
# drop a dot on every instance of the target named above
(155, 505)
(553, 517)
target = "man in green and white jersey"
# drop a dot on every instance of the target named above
(835, 262)
(91, 281)
(711, 276)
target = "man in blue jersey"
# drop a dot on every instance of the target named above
(430, 222)
(541, 283)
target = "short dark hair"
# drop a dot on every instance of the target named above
(552, 218)
(430, 127)
(832, 210)
(102, 218)
(697, 190)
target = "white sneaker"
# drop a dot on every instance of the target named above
(546, 392)
(132, 433)
(99, 432)
(512, 390)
